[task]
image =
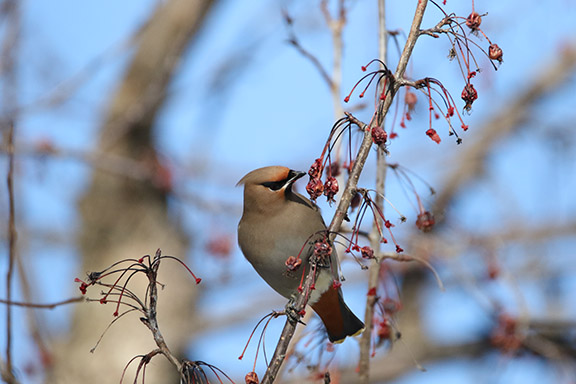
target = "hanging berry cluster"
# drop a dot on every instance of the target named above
(328, 166)
(440, 101)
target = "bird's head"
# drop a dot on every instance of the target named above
(265, 188)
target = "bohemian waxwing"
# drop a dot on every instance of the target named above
(278, 223)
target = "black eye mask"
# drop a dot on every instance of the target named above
(275, 185)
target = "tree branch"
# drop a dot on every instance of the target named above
(42, 306)
(7, 121)
(375, 264)
(346, 199)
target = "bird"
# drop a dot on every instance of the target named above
(277, 224)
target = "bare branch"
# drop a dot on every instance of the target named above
(375, 265)
(43, 306)
(7, 124)
(11, 254)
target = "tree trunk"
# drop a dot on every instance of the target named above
(127, 216)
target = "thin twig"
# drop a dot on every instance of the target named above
(11, 249)
(9, 101)
(375, 266)
(42, 306)
(152, 321)
(314, 60)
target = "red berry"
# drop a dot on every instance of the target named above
(331, 188)
(425, 221)
(379, 135)
(367, 252)
(316, 168)
(469, 95)
(292, 263)
(315, 188)
(473, 21)
(251, 378)
(495, 52)
(433, 135)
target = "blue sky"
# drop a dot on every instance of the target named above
(272, 107)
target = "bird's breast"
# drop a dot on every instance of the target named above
(267, 243)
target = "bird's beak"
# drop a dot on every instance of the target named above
(294, 175)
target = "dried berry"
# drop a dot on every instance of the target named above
(425, 221)
(331, 188)
(367, 252)
(251, 378)
(469, 95)
(495, 52)
(473, 21)
(322, 250)
(315, 188)
(433, 135)
(292, 263)
(316, 169)
(379, 135)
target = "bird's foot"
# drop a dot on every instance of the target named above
(292, 313)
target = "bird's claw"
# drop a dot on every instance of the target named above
(292, 314)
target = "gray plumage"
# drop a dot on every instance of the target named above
(278, 223)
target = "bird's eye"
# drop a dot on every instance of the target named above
(275, 185)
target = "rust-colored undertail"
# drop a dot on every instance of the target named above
(338, 319)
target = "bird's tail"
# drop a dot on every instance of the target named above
(338, 319)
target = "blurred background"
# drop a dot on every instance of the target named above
(134, 120)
